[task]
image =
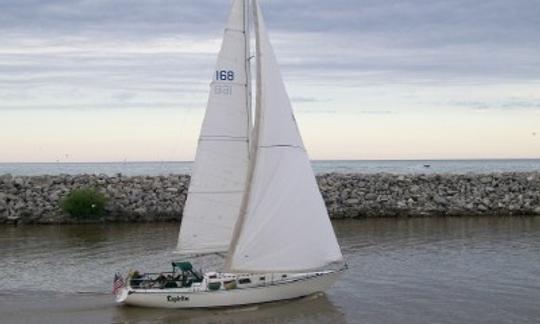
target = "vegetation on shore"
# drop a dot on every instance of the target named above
(84, 203)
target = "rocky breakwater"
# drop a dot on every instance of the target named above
(37, 199)
(161, 198)
(380, 195)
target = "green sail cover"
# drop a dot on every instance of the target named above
(183, 265)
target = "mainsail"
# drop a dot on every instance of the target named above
(219, 171)
(285, 225)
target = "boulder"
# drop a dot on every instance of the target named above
(352, 202)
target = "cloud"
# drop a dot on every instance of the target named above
(374, 112)
(79, 51)
(308, 99)
(508, 104)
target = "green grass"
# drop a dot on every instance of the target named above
(85, 203)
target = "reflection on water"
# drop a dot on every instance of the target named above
(447, 270)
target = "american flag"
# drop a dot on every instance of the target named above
(118, 283)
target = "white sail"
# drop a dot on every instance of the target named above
(286, 225)
(219, 171)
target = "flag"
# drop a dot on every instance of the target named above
(118, 283)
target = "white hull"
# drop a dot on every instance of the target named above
(183, 298)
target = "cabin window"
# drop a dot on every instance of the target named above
(262, 278)
(244, 281)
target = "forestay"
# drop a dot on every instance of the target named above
(219, 171)
(286, 226)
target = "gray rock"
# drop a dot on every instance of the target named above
(401, 204)
(370, 196)
(485, 180)
(6, 177)
(440, 200)
(10, 197)
(482, 208)
(352, 202)
(140, 211)
(18, 181)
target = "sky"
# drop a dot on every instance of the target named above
(119, 80)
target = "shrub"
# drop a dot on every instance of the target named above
(84, 203)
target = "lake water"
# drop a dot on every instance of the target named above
(322, 166)
(416, 270)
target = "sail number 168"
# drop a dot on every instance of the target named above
(224, 75)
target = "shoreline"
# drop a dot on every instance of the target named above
(36, 199)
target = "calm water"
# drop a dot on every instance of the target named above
(423, 270)
(360, 166)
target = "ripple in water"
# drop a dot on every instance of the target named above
(446, 270)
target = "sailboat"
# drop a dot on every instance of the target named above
(253, 197)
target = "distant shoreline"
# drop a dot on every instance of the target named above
(36, 199)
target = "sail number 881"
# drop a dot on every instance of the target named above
(224, 75)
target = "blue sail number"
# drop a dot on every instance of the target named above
(224, 75)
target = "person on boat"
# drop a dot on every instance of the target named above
(135, 279)
(170, 282)
(160, 281)
(178, 277)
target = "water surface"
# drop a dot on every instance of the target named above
(419, 270)
(319, 166)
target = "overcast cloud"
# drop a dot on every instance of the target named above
(95, 53)
(113, 80)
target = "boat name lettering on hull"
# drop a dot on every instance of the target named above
(174, 299)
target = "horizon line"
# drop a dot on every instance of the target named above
(311, 160)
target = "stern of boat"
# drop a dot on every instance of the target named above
(120, 287)
(121, 295)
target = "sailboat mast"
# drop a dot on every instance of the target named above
(254, 139)
(248, 71)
